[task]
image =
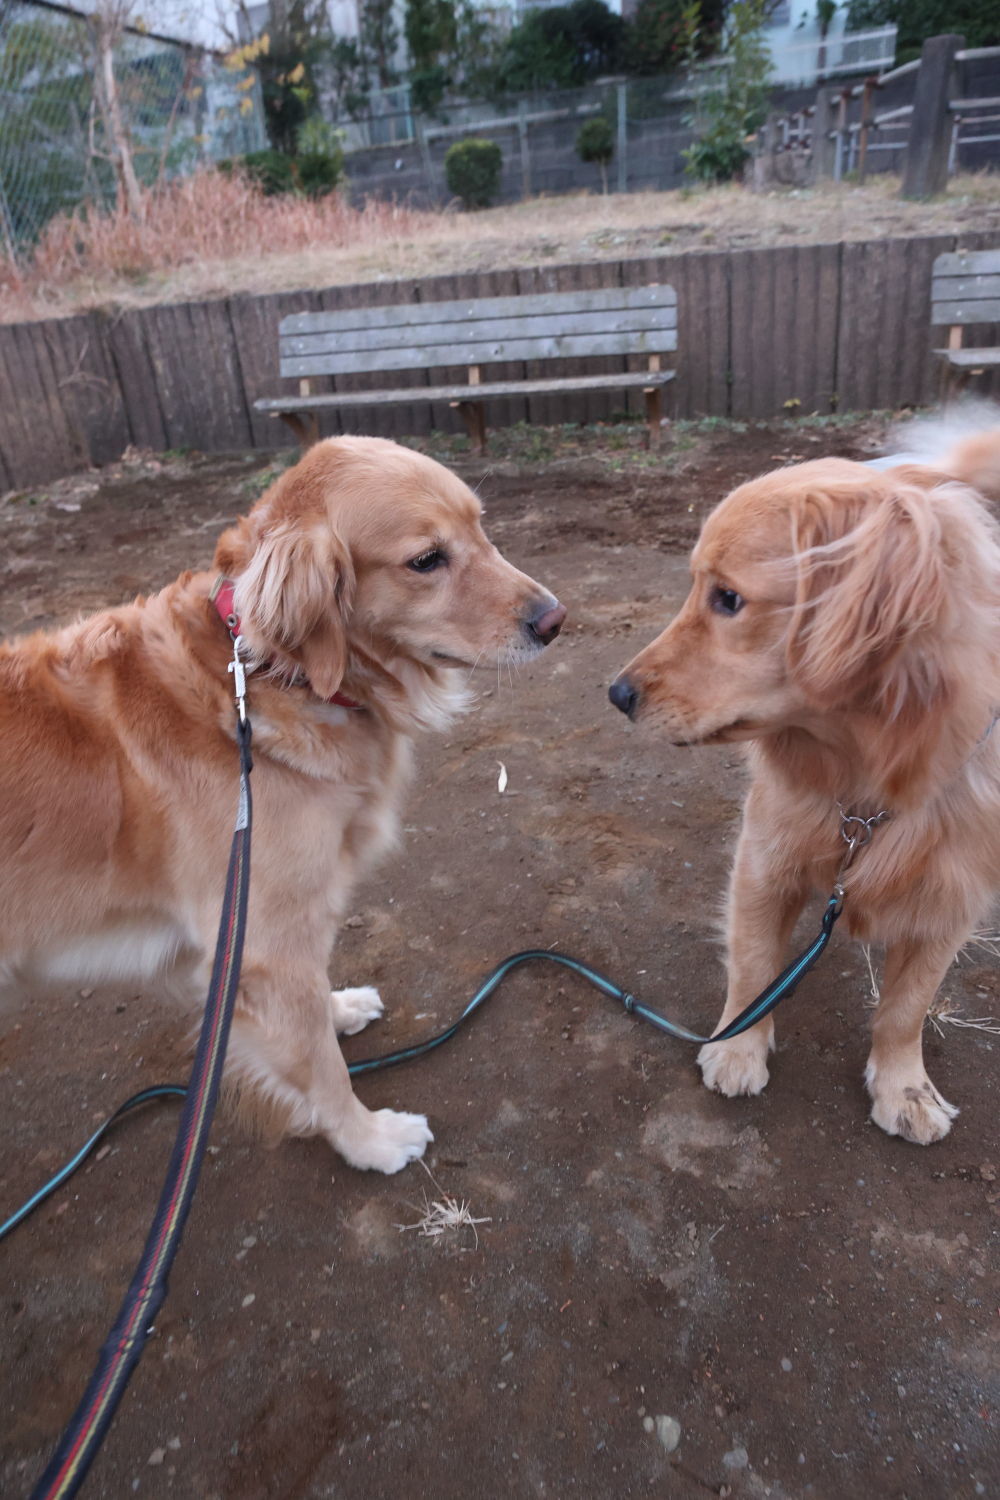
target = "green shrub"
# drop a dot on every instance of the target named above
(319, 161)
(595, 141)
(270, 170)
(472, 171)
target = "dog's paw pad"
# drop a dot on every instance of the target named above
(392, 1139)
(731, 1069)
(353, 1009)
(916, 1112)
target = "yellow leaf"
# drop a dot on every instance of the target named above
(246, 106)
(297, 74)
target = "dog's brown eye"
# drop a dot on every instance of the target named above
(427, 561)
(727, 601)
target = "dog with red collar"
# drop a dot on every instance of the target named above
(364, 593)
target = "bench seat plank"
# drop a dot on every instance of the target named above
(970, 359)
(642, 380)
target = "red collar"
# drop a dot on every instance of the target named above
(222, 597)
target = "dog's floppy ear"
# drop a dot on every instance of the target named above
(871, 588)
(295, 595)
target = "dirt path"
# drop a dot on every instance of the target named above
(814, 1304)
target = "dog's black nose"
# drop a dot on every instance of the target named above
(547, 625)
(624, 696)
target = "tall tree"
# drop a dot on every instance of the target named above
(380, 39)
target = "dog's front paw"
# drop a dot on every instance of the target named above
(391, 1139)
(915, 1111)
(353, 1009)
(735, 1067)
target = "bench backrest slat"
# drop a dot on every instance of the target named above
(965, 288)
(557, 325)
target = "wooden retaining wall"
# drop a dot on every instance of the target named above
(761, 332)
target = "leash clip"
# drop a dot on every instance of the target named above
(239, 678)
(857, 833)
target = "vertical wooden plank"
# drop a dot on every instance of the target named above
(858, 354)
(198, 376)
(18, 432)
(36, 391)
(784, 267)
(137, 380)
(751, 347)
(88, 385)
(813, 334)
(254, 324)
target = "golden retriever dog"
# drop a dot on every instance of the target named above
(365, 592)
(845, 620)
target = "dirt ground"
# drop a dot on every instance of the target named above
(813, 1305)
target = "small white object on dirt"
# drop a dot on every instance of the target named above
(249, 1299)
(668, 1430)
(156, 1457)
(441, 1214)
(502, 778)
(736, 1458)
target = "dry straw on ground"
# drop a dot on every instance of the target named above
(210, 235)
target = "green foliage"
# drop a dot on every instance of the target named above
(379, 39)
(313, 172)
(288, 69)
(319, 165)
(472, 171)
(737, 104)
(977, 20)
(271, 170)
(431, 31)
(668, 34)
(561, 47)
(595, 140)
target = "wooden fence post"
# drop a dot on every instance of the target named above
(824, 147)
(929, 137)
(622, 91)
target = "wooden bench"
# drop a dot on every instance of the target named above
(965, 291)
(552, 327)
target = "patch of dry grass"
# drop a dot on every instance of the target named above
(210, 236)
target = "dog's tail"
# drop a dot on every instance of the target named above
(963, 441)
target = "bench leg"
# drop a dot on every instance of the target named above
(474, 417)
(654, 412)
(304, 426)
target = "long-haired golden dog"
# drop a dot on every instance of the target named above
(365, 591)
(845, 620)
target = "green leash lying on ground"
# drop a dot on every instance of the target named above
(778, 990)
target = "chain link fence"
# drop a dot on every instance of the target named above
(180, 107)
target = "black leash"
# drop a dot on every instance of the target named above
(124, 1345)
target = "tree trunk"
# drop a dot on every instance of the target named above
(107, 25)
